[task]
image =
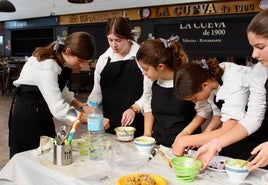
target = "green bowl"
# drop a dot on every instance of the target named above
(185, 168)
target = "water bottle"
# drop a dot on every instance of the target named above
(96, 132)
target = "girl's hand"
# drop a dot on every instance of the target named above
(106, 123)
(177, 147)
(206, 152)
(128, 117)
(261, 160)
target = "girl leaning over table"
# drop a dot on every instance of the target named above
(165, 116)
(118, 81)
(216, 82)
(255, 121)
(41, 91)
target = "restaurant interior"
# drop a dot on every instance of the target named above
(207, 28)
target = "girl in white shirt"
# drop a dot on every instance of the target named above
(258, 38)
(41, 91)
(215, 82)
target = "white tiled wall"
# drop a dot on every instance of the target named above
(42, 8)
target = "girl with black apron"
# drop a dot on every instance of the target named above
(121, 85)
(171, 115)
(30, 117)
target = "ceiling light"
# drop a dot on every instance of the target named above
(80, 1)
(6, 6)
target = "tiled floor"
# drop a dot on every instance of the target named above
(5, 102)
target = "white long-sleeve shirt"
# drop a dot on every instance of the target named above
(257, 100)
(96, 94)
(234, 92)
(44, 75)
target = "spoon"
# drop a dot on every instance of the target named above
(60, 135)
(127, 134)
(251, 157)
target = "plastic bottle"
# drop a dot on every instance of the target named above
(96, 132)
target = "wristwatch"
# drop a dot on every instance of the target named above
(135, 109)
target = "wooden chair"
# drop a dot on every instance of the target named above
(10, 76)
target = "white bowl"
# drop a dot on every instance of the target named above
(144, 144)
(125, 133)
(235, 171)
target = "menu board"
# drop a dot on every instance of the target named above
(211, 36)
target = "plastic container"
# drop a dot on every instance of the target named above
(95, 132)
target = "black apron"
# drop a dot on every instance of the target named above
(171, 115)
(121, 85)
(220, 102)
(243, 148)
(30, 117)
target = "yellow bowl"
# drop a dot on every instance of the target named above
(141, 178)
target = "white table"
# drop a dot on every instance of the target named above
(28, 168)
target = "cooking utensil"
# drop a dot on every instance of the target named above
(153, 153)
(60, 135)
(127, 134)
(71, 117)
(251, 157)
(74, 128)
(165, 157)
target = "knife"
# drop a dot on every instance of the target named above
(153, 153)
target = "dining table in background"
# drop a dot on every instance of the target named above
(29, 168)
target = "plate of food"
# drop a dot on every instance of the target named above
(141, 179)
(217, 163)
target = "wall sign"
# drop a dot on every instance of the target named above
(208, 8)
(95, 17)
(216, 36)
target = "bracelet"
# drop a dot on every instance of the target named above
(135, 109)
(217, 144)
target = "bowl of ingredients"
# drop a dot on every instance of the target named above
(144, 144)
(125, 133)
(186, 168)
(236, 169)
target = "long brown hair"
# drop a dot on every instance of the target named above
(258, 25)
(120, 27)
(81, 45)
(188, 79)
(153, 52)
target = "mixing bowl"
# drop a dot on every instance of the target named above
(144, 144)
(236, 169)
(125, 133)
(185, 168)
